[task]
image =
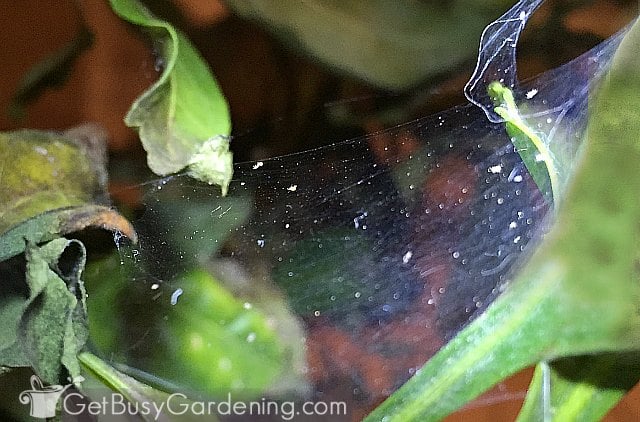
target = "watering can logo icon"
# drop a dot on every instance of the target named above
(43, 399)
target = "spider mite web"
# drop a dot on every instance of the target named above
(383, 254)
(497, 55)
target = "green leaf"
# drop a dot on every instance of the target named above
(579, 293)
(581, 388)
(393, 45)
(11, 354)
(216, 343)
(51, 327)
(182, 119)
(586, 388)
(50, 182)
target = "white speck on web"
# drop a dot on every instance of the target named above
(407, 257)
(495, 169)
(513, 225)
(175, 295)
(155, 286)
(260, 242)
(292, 188)
(257, 165)
(531, 94)
(358, 219)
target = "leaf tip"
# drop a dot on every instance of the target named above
(213, 163)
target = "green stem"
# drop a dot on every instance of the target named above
(535, 154)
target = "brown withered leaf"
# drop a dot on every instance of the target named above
(53, 184)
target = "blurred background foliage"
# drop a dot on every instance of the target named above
(281, 98)
(294, 78)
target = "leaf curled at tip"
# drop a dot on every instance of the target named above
(60, 222)
(182, 119)
(53, 184)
